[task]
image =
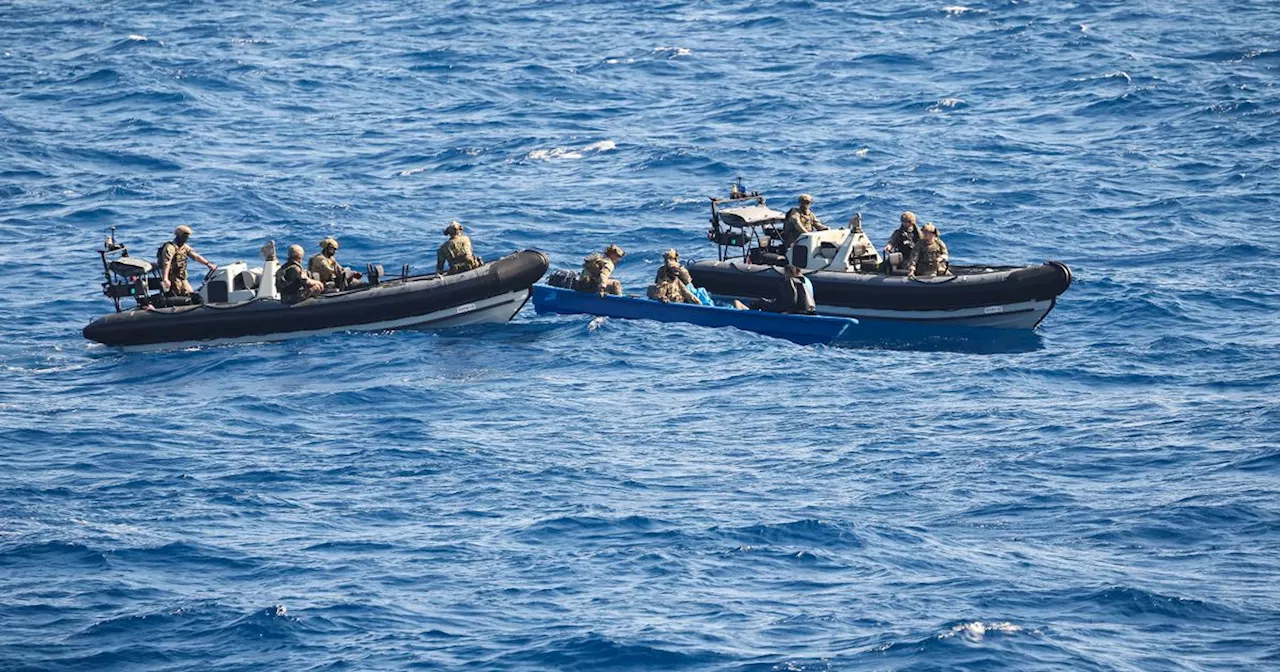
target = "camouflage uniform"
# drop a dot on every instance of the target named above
(671, 285)
(325, 269)
(683, 273)
(597, 273)
(457, 253)
(929, 258)
(904, 241)
(176, 256)
(291, 282)
(799, 222)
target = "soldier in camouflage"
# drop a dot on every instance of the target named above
(672, 281)
(597, 272)
(930, 254)
(325, 267)
(904, 239)
(672, 258)
(172, 260)
(800, 219)
(293, 282)
(456, 252)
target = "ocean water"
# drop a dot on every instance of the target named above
(564, 493)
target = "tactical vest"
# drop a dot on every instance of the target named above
(178, 264)
(290, 290)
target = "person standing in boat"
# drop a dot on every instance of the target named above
(930, 255)
(172, 260)
(293, 282)
(456, 252)
(800, 220)
(795, 295)
(672, 282)
(597, 272)
(903, 241)
(325, 267)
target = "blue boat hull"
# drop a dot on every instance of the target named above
(802, 329)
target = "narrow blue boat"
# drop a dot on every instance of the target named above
(802, 329)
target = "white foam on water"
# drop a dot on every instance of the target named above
(572, 153)
(138, 38)
(975, 631)
(596, 323)
(956, 10)
(861, 152)
(412, 171)
(945, 104)
(673, 52)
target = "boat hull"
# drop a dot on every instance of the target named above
(492, 293)
(1009, 298)
(802, 329)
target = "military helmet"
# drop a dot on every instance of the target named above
(671, 255)
(806, 198)
(182, 230)
(908, 216)
(615, 250)
(453, 227)
(930, 228)
(329, 243)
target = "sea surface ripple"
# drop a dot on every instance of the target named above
(572, 494)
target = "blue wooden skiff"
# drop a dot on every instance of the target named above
(802, 329)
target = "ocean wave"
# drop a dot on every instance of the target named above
(976, 631)
(593, 651)
(587, 492)
(807, 532)
(571, 153)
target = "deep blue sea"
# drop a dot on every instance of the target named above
(563, 493)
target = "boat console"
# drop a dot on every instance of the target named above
(745, 221)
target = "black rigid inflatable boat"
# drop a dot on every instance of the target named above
(494, 292)
(851, 279)
(1009, 297)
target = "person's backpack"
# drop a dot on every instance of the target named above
(160, 251)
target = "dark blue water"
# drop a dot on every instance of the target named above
(569, 494)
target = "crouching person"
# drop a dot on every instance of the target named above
(672, 282)
(597, 272)
(293, 282)
(456, 252)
